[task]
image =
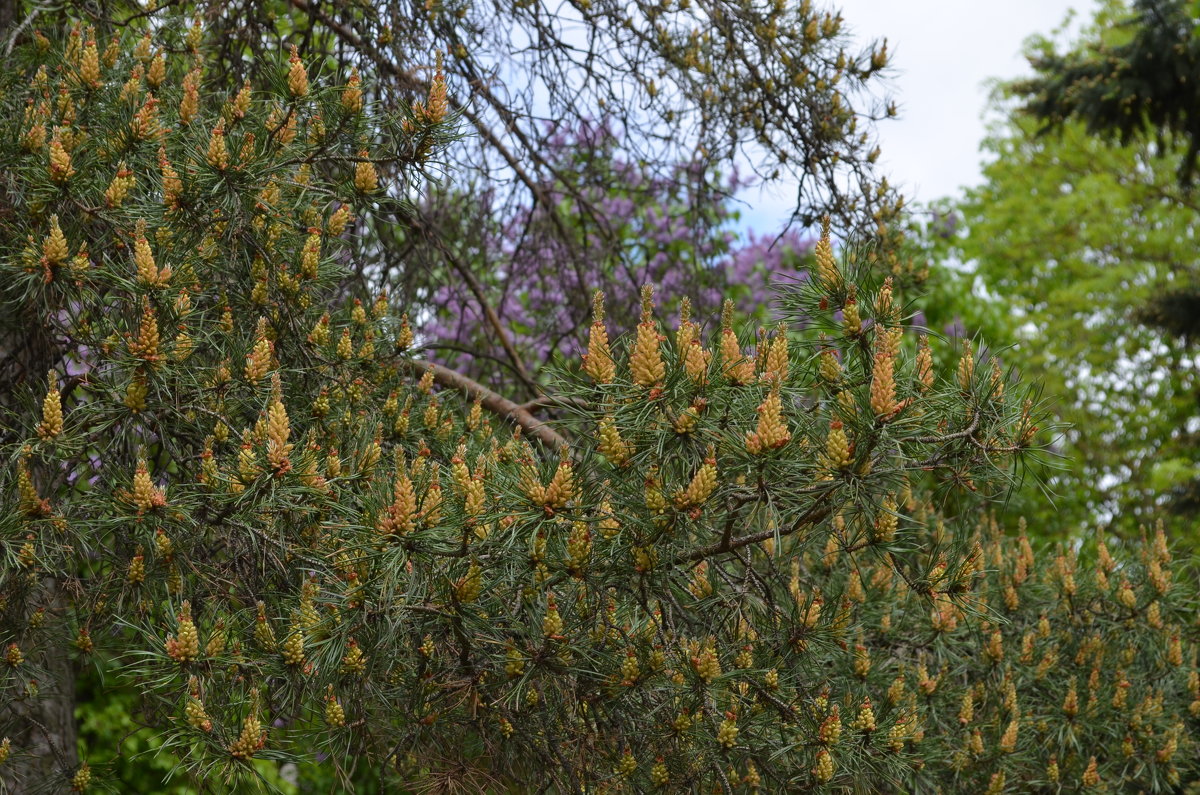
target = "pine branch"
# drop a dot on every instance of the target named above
(493, 402)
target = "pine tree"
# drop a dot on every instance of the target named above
(743, 561)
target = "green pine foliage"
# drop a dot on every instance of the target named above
(744, 562)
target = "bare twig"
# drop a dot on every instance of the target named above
(477, 290)
(970, 429)
(814, 514)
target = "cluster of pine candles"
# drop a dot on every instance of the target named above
(738, 562)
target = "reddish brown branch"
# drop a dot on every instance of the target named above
(553, 401)
(477, 290)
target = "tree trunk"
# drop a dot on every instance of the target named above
(42, 729)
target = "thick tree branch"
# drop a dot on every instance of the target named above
(553, 401)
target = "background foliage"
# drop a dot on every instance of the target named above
(1084, 242)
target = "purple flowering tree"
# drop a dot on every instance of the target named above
(521, 295)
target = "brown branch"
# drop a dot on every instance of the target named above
(288, 550)
(497, 404)
(357, 42)
(515, 130)
(970, 429)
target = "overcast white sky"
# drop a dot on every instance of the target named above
(943, 52)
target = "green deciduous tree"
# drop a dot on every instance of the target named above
(1083, 239)
(1073, 235)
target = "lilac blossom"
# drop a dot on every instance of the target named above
(676, 232)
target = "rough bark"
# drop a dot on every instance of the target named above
(42, 728)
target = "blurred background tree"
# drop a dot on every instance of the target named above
(659, 232)
(1083, 234)
(1135, 81)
